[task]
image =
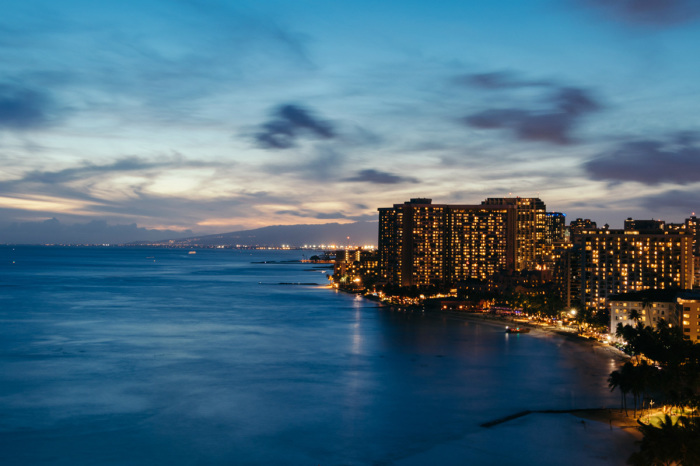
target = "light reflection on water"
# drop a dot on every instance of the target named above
(149, 356)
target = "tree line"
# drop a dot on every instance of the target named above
(664, 371)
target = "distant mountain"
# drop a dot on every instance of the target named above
(53, 231)
(360, 233)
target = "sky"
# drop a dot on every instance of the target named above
(214, 116)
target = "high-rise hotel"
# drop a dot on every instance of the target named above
(645, 255)
(531, 235)
(421, 243)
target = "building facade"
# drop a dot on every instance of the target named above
(649, 307)
(531, 229)
(421, 243)
(689, 304)
(356, 268)
(607, 262)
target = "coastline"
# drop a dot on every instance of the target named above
(604, 424)
(586, 434)
(623, 430)
(563, 438)
(536, 330)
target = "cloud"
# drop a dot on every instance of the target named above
(499, 80)
(207, 214)
(307, 213)
(660, 13)
(23, 108)
(124, 164)
(649, 161)
(178, 62)
(674, 201)
(291, 122)
(379, 177)
(321, 163)
(88, 189)
(565, 106)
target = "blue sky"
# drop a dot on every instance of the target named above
(216, 116)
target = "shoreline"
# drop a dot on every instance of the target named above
(613, 417)
(609, 416)
(603, 423)
(536, 330)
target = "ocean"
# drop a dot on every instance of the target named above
(145, 356)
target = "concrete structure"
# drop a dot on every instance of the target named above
(531, 229)
(650, 306)
(581, 224)
(607, 262)
(676, 308)
(421, 243)
(689, 304)
(356, 268)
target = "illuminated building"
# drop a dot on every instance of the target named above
(555, 238)
(531, 229)
(567, 275)
(421, 243)
(690, 227)
(689, 304)
(411, 243)
(355, 268)
(606, 262)
(555, 223)
(651, 307)
(676, 308)
(581, 224)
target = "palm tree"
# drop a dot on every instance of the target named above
(615, 381)
(672, 442)
(627, 384)
(635, 316)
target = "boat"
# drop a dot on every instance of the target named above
(517, 330)
(192, 252)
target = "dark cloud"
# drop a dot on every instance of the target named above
(23, 108)
(306, 213)
(186, 210)
(321, 163)
(88, 170)
(291, 122)
(379, 177)
(674, 201)
(650, 161)
(573, 101)
(658, 13)
(499, 80)
(125, 164)
(554, 124)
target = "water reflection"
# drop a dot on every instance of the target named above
(105, 356)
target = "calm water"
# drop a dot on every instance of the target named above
(151, 356)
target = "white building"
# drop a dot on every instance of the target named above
(651, 306)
